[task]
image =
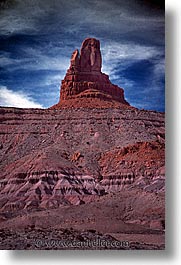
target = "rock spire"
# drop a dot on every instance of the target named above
(85, 85)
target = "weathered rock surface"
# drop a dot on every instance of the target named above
(85, 85)
(91, 164)
(61, 157)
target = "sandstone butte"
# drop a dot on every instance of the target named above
(85, 85)
(90, 167)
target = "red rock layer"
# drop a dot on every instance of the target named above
(84, 80)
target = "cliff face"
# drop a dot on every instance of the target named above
(85, 85)
(56, 157)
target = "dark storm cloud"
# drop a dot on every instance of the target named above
(38, 37)
(70, 16)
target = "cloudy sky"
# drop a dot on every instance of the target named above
(37, 38)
